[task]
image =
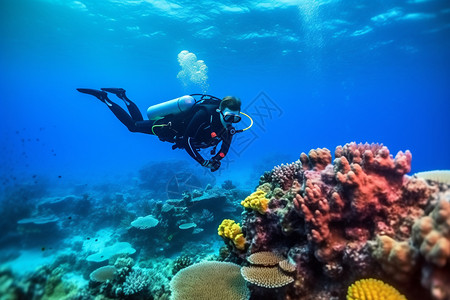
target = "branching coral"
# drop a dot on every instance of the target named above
(136, 282)
(231, 230)
(285, 174)
(256, 201)
(180, 263)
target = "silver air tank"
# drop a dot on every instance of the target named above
(170, 107)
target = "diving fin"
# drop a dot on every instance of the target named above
(119, 92)
(96, 93)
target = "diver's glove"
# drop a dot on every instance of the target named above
(212, 164)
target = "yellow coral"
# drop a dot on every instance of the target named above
(373, 289)
(256, 201)
(231, 230)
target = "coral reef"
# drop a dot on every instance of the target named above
(228, 185)
(268, 270)
(103, 274)
(230, 230)
(307, 231)
(256, 201)
(398, 259)
(431, 234)
(145, 222)
(441, 176)
(350, 218)
(207, 280)
(180, 263)
(372, 289)
(136, 282)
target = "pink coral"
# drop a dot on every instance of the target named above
(331, 210)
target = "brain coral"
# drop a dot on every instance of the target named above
(208, 280)
(373, 289)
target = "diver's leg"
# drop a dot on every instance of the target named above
(132, 108)
(145, 126)
(118, 111)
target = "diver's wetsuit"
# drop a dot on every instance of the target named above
(203, 130)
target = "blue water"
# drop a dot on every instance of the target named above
(338, 71)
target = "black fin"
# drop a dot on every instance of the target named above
(96, 93)
(119, 92)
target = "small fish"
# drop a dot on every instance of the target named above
(43, 249)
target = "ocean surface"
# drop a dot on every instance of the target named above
(311, 74)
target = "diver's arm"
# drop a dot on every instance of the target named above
(226, 143)
(191, 130)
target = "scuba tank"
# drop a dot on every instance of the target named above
(171, 107)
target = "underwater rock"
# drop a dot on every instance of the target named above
(228, 185)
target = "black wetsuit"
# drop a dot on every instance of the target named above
(197, 129)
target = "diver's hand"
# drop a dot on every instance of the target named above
(212, 164)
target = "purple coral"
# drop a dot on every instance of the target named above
(285, 174)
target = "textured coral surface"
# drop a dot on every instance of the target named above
(352, 217)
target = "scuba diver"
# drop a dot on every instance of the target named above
(190, 122)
